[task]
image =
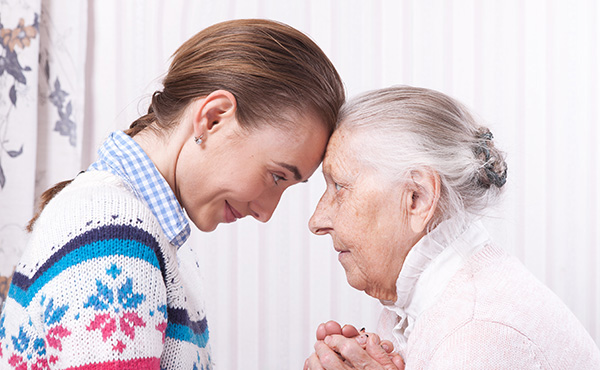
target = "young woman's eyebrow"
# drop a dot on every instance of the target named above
(293, 169)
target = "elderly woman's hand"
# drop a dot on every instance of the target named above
(347, 348)
(332, 327)
(337, 352)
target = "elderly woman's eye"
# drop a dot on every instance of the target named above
(338, 187)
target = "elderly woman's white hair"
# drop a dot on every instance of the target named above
(402, 128)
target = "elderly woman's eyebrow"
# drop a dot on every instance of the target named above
(293, 169)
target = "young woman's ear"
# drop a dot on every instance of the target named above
(424, 199)
(211, 112)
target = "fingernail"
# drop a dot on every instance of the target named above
(327, 339)
(385, 347)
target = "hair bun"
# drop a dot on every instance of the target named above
(493, 169)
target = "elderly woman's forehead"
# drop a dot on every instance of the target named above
(338, 144)
(340, 140)
(342, 155)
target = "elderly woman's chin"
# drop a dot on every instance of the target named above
(380, 285)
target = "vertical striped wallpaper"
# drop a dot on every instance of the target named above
(528, 69)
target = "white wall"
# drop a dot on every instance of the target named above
(529, 69)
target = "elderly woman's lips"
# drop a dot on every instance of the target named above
(341, 254)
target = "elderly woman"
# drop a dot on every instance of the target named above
(409, 173)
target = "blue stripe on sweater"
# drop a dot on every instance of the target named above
(180, 316)
(101, 242)
(184, 333)
(108, 241)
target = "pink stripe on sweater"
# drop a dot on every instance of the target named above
(134, 364)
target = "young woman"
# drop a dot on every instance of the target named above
(246, 111)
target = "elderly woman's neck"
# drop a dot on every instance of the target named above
(383, 294)
(389, 293)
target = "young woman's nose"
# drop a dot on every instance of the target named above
(263, 207)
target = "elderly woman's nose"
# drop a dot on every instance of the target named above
(313, 224)
(318, 223)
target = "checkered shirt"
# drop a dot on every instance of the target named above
(123, 157)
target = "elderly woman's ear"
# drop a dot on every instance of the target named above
(423, 198)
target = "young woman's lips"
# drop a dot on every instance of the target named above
(231, 214)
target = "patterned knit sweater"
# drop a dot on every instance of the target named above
(99, 288)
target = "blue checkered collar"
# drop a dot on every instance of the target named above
(123, 157)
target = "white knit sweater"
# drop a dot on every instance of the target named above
(466, 304)
(99, 288)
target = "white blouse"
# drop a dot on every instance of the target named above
(428, 268)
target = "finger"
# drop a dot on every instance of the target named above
(363, 337)
(329, 328)
(328, 358)
(387, 346)
(313, 363)
(377, 353)
(374, 356)
(333, 328)
(349, 331)
(398, 361)
(375, 337)
(321, 332)
(350, 350)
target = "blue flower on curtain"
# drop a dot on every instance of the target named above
(11, 40)
(65, 125)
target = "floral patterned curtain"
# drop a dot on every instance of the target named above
(42, 61)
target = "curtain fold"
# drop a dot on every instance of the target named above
(61, 81)
(42, 86)
(20, 44)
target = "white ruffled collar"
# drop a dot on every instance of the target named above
(428, 268)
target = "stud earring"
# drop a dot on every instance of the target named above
(198, 139)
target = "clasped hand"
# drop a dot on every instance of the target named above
(347, 348)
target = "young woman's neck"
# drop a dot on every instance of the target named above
(163, 150)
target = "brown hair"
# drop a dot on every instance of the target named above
(271, 69)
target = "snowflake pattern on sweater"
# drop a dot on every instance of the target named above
(100, 288)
